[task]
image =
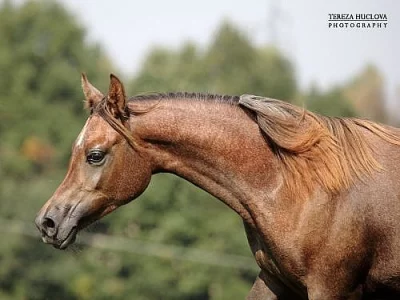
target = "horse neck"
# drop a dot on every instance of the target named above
(216, 146)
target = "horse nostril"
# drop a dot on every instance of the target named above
(48, 223)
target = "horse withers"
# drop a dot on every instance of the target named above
(319, 196)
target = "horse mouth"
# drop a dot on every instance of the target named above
(71, 237)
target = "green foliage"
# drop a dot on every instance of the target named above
(332, 103)
(43, 52)
(366, 93)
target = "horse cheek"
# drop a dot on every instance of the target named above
(134, 180)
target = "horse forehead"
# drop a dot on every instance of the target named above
(95, 129)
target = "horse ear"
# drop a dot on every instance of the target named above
(92, 95)
(116, 96)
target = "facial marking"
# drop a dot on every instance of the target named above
(81, 136)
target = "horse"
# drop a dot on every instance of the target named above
(318, 195)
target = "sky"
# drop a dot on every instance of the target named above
(321, 55)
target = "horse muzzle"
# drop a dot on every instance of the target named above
(58, 228)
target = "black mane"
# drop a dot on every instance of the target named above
(233, 100)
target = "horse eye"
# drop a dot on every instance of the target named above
(95, 157)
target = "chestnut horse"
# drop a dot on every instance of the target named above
(319, 196)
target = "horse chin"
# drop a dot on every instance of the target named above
(70, 239)
(64, 243)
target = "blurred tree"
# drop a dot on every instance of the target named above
(230, 65)
(43, 52)
(366, 92)
(331, 103)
